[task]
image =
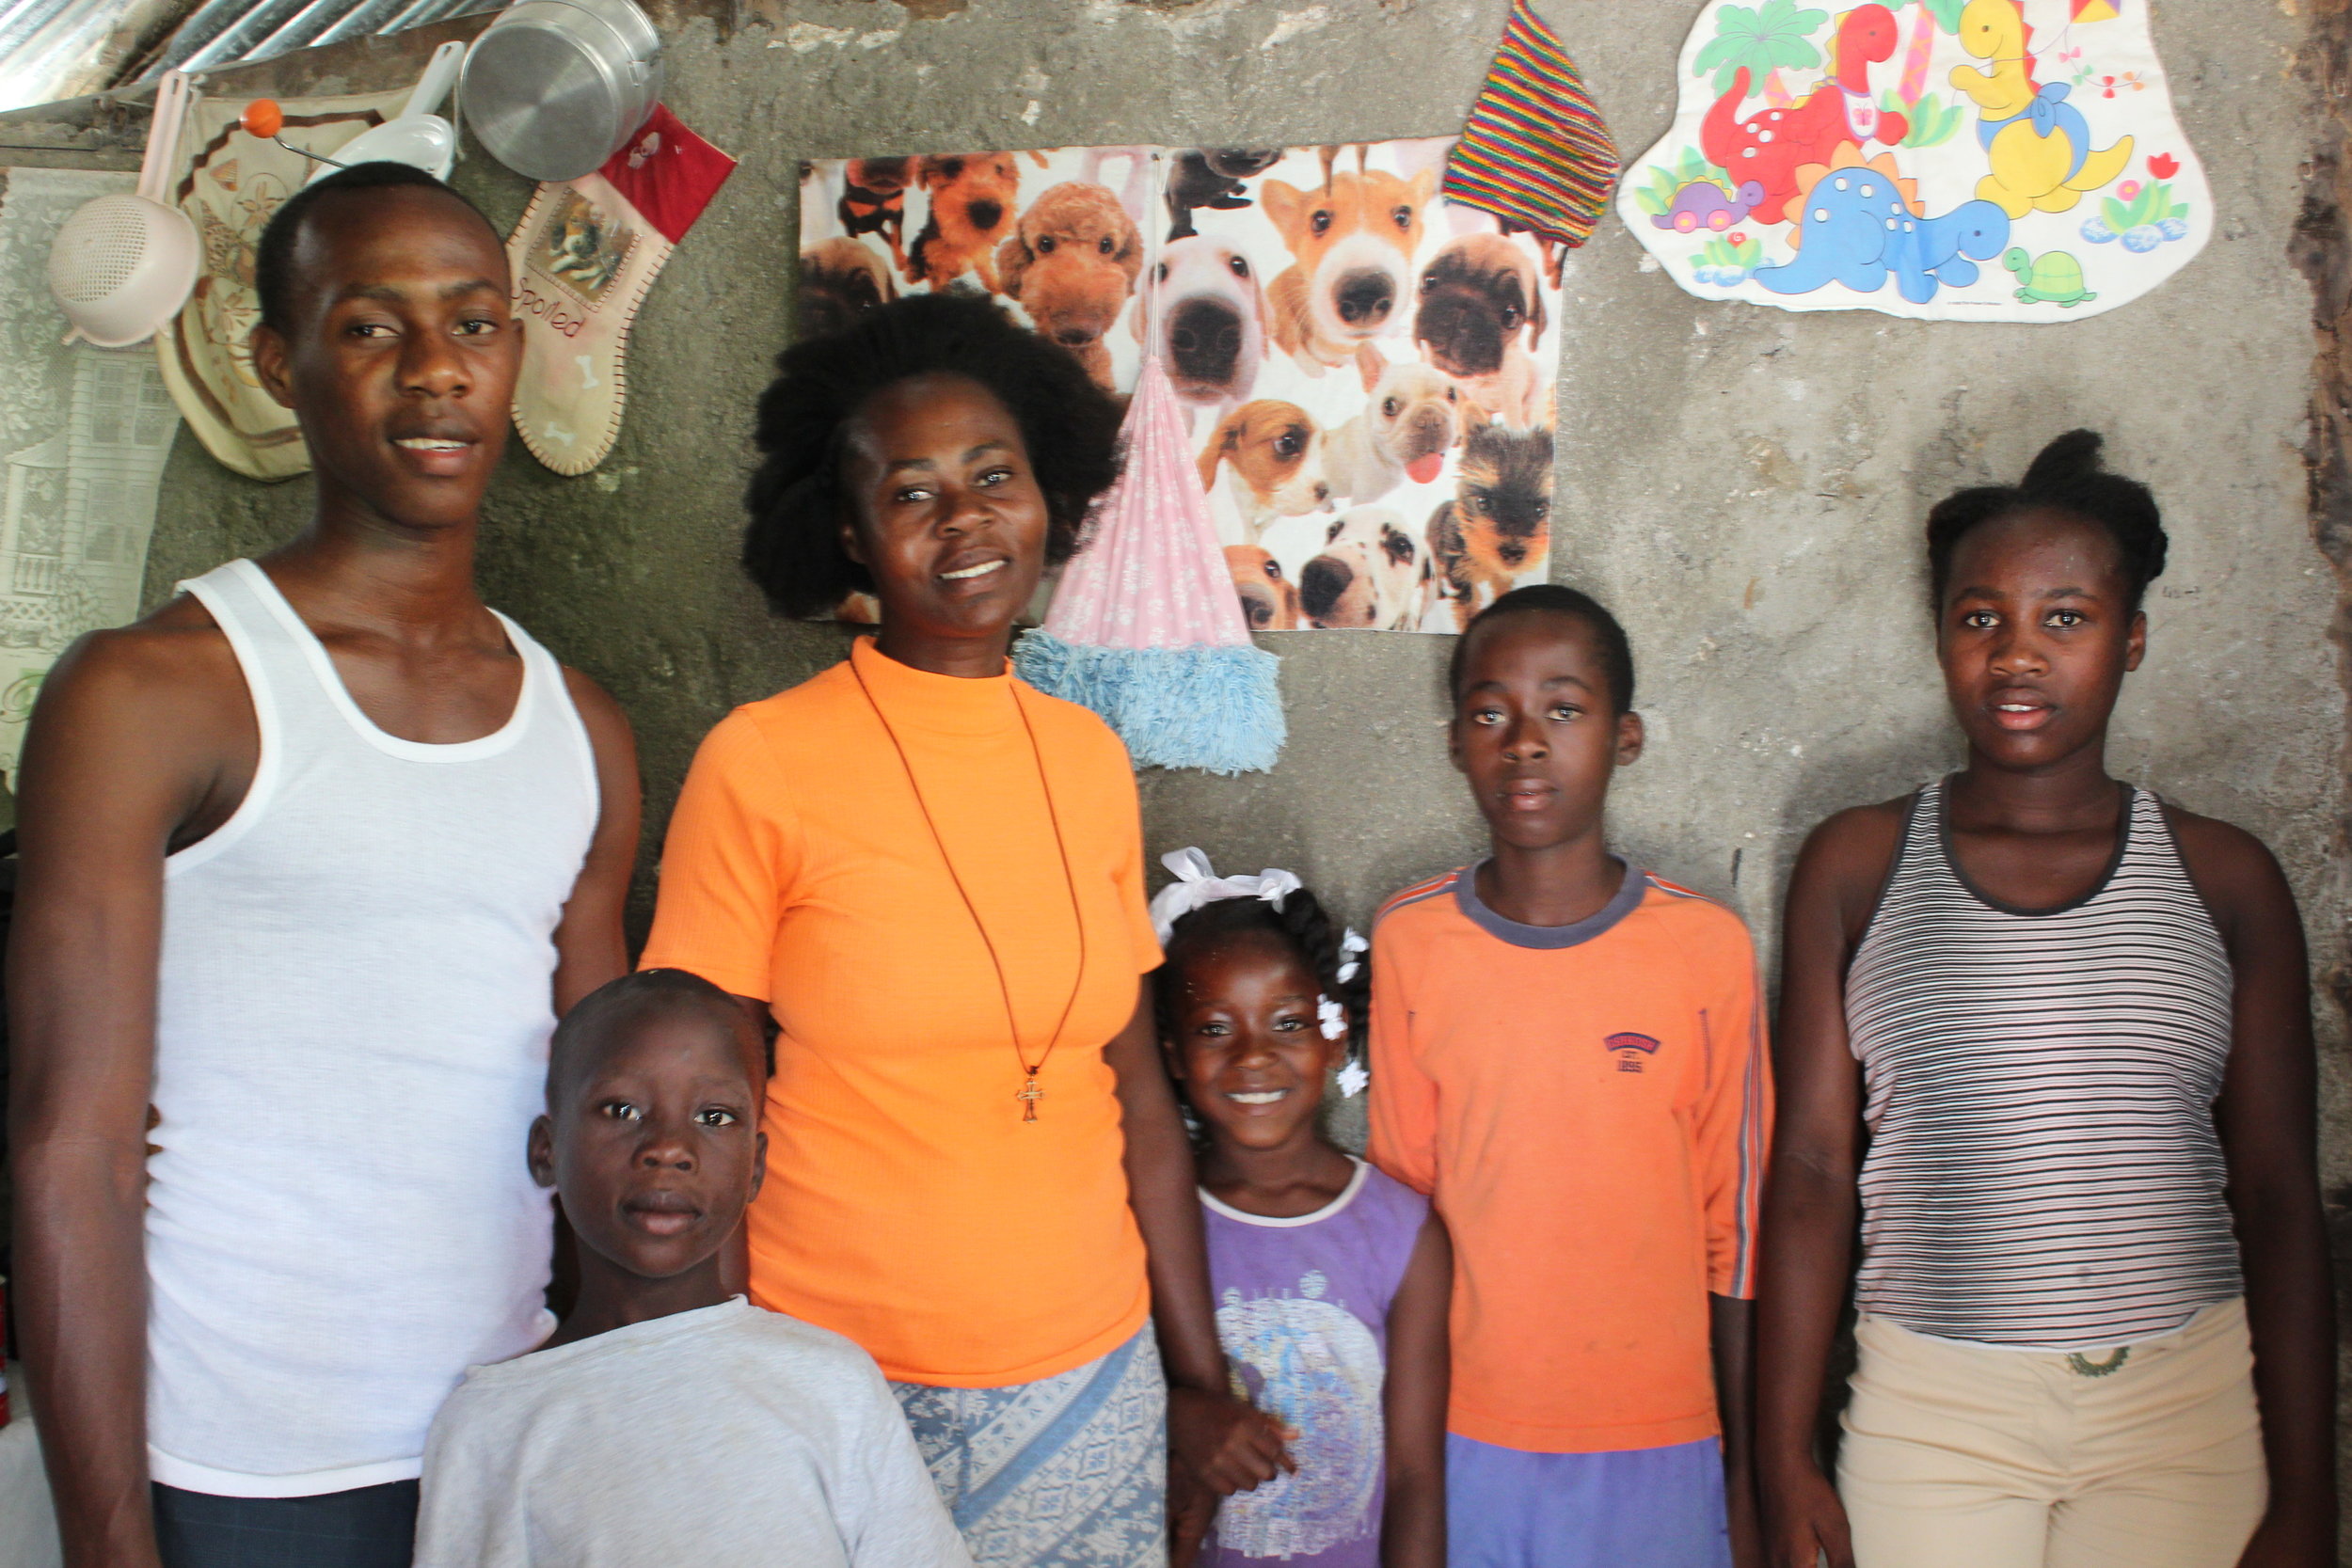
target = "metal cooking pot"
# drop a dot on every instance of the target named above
(554, 88)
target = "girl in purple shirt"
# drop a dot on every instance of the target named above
(1332, 1280)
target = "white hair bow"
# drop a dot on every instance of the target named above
(1350, 944)
(1196, 885)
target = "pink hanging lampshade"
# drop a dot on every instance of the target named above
(1145, 628)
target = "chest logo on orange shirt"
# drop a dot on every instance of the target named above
(1630, 1049)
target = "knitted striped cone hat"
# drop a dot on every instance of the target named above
(1535, 153)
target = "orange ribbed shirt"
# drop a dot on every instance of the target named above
(1589, 1107)
(907, 1204)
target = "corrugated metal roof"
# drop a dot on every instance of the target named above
(53, 49)
(222, 32)
(64, 48)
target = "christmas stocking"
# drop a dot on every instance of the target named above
(583, 256)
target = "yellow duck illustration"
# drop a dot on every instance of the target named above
(2038, 144)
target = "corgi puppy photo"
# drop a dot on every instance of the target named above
(1351, 246)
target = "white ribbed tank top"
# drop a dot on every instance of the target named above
(2044, 1170)
(351, 1040)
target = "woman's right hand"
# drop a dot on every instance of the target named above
(1804, 1524)
(1228, 1444)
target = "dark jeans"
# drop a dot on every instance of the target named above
(374, 1526)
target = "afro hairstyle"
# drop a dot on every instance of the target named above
(797, 500)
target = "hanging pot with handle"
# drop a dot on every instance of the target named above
(554, 88)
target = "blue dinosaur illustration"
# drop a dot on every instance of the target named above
(1854, 228)
(1928, 252)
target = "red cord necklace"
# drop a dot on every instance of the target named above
(1031, 1091)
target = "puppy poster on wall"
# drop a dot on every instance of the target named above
(1956, 159)
(1367, 371)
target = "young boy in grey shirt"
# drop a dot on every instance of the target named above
(665, 1421)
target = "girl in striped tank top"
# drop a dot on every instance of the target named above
(2075, 1022)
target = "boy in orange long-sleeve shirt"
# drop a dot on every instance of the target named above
(1568, 1056)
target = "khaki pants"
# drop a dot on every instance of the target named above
(1966, 1456)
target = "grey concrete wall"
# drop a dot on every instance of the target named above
(1744, 486)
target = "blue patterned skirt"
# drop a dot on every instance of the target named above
(1070, 1471)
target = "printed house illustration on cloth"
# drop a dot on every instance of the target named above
(74, 520)
(1965, 160)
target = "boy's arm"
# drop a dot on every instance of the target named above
(1731, 1343)
(1404, 1112)
(1734, 1125)
(1413, 1404)
(589, 947)
(1734, 1131)
(126, 745)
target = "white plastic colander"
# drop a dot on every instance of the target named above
(122, 265)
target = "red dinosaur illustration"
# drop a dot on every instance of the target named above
(1769, 146)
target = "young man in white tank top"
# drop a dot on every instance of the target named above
(312, 858)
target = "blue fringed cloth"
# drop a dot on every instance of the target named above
(1146, 628)
(1217, 708)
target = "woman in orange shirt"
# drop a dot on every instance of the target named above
(930, 876)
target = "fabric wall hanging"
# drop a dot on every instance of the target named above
(1364, 372)
(583, 257)
(84, 432)
(230, 185)
(1948, 160)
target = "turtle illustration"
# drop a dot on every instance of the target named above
(2054, 277)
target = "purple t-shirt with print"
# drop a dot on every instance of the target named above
(1303, 1313)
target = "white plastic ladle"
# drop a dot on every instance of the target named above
(416, 135)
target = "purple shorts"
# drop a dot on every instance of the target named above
(1639, 1508)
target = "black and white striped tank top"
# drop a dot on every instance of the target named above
(2043, 1172)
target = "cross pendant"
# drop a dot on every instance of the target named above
(1029, 1094)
